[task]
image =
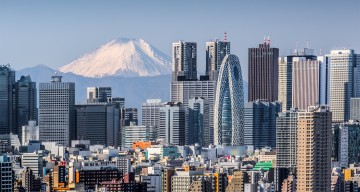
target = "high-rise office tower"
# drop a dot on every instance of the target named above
(184, 60)
(260, 123)
(26, 102)
(151, 112)
(285, 92)
(98, 94)
(197, 122)
(314, 149)
(306, 83)
(56, 111)
(355, 108)
(98, 123)
(344, 82)
(172, 123)
(7, 101)
(215, 53)
(263, 72)
(183, 91)
(229, 104)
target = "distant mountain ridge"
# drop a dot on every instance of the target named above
(126, 57)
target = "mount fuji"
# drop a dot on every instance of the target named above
(125, 57)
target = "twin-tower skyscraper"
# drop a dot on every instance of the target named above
(221, 86)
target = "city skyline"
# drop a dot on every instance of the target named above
(54, 38)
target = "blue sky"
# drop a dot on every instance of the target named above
(56, 32)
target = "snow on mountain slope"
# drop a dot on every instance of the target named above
(122, 57)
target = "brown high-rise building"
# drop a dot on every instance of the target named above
(305, 83)
(314, 149)
(263, 72)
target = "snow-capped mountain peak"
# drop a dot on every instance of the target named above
(127, 57)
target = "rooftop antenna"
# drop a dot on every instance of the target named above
(225, 37)
(307, 44)
(296, 44)
(269, 40)
(265, 40)
(320, 51)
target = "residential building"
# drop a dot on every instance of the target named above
(314, 149)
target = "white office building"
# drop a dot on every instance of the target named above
(30, 132)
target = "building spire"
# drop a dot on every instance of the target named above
(225, 37)
(269, 40)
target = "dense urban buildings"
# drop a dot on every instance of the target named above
(260, 123)
(229, 104)
(215, 53)
(263, 72)
(30, 132)
(57, 111)
(314, 149)
(131, 134)
(344, 82)
(184, 61)
(355, 108)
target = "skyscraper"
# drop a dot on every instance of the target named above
(344, 82)
(306, 83)
(260, 123)
(183, 91)
(184, 60)
(314, 149)
(286, 139)
(215, 53)
(348, 143)
(99, 123)
(355, 108)
(172, 123)
(285, 92)
(151, 112)
(7, 102)
(56, 111)
(263, 72)
(26, 102)
(229, 104)
(130, 134)
(197, 129)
